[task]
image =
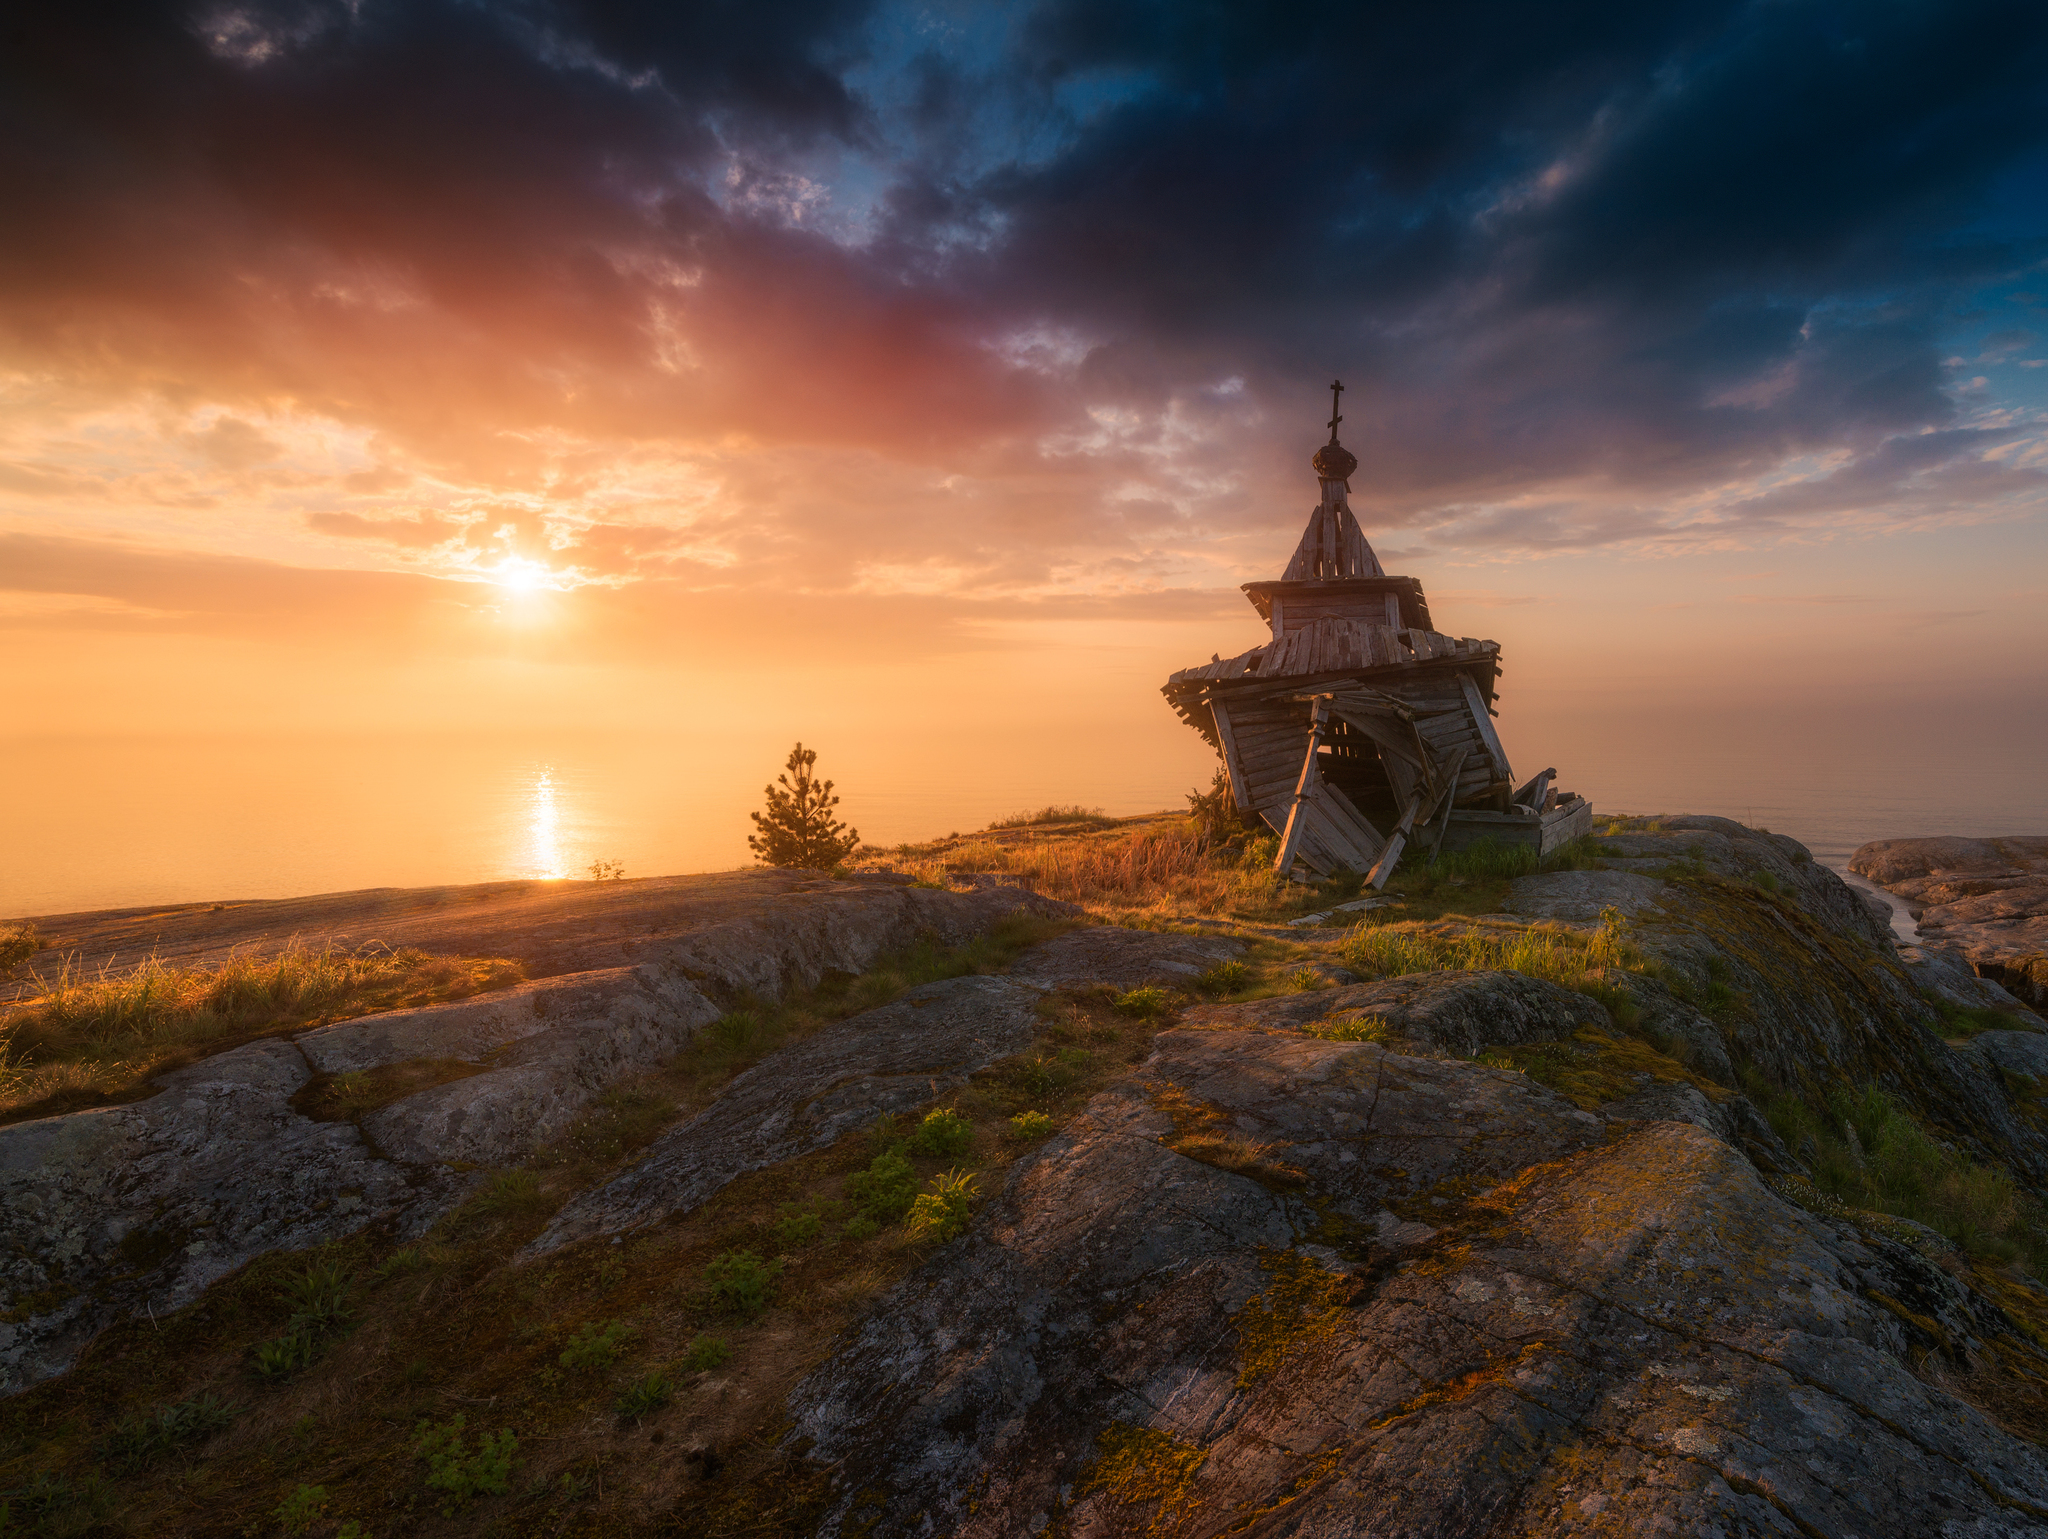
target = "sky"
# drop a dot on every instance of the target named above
(788, 368)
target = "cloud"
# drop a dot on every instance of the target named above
(232, 444)
(414, 532)
(826, 294)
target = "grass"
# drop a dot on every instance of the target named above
(1959, 1023)
(1895, 1168)
(1057, 813)
(1476, 880)
(1553, 952)
(97, 1038)
(1161, 866)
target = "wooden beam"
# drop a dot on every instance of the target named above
(1391, 855)
(1297, 821)
(1476, 703)
(1232, 766)
(1450, 800)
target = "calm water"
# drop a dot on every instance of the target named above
(111, 823)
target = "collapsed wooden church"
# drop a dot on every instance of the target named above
(1360, 731)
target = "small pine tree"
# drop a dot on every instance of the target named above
(798, 828)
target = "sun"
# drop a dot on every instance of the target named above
(521, 576)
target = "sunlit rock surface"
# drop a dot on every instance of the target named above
(108, 1212)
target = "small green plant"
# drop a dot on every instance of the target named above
(1223, 978)
(402, 1262)
(140, 1442)
(1143, 1004)
(611, 1271)
(456, 1471)
(302, 1509)
(321, 1296)
(797, 1225)
(741, 1281)
(510, 1191)
(861, 1227)
(597, 1346)
(942, 1212)
(283, 1356)
(885, 1190)
(1303, 980)
(1030, 1124)
(1362, 1028)
(646, 1395)
(351, 1530)
(706, 1353)
(942, 1135)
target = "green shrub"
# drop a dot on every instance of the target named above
(861, 1227)
(942, 1212)
(597, 1346)
(302, 1509)
(1223, 978)
(140, 1442)
(885, 1190)
(741, 1281)
(942, 1135)
(1143, 1004)
(1363, 1028)
(1030, 1124)
(646, 1395)
(1303, 980)
(461, 1474)
(706, 1353)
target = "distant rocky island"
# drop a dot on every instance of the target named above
(1984, 900)
(1073, 1177)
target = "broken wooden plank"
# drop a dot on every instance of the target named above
(1233, 767)
(1283, 859)
(1396, 841)
(1476, 702)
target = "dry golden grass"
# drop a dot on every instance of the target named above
(93, 1038)
(1157, 867)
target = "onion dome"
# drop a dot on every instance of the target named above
(1334, 462)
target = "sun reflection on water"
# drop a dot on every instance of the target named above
(544, 845)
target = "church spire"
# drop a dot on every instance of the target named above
(1333, 546)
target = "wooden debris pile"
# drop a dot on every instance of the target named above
(1358, 716)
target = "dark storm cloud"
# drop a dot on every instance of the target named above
(1661, 247)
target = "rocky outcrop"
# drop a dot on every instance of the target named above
(1801, 982)
(1455, 1305)
(1446, 1014)
(108, 1211)
(805, 1097)
(1985, 900)
(1106, 955)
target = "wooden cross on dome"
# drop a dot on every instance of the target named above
(1336, 390)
